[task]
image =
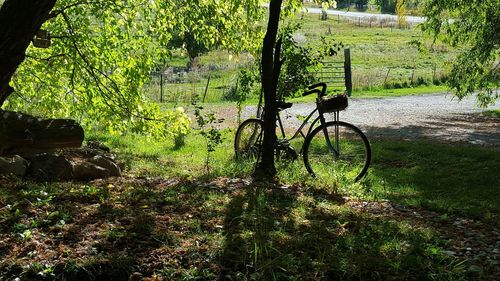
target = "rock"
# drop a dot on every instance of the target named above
(50, 167)
(15, 165)
(89, 171)
(108, 164)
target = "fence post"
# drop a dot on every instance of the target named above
(433, 73)
(347, 71)
(387, 75)
(161, 87)
(206, 88)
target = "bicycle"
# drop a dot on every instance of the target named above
(330, 147)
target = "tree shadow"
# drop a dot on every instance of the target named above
(472, 128)
(446, 164)
(109, 229)
(280, 234)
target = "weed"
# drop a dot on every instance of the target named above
(212, 135)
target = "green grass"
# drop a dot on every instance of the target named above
(167, 217)
(381, 92)
(374, 51)
(447, 178)
(444, 178)
(372, 93)
(492, 113)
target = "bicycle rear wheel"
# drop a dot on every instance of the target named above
(341, 151)
(248, 139)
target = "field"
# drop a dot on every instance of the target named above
(377, 70)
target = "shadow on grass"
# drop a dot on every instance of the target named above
(221, 230)
(445, 178)
(104, 230)
(279, 234)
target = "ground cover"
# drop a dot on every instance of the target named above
(411, 219)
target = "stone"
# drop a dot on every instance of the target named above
(108, 164)
(15, 165)
(89, 171)
(50, 167)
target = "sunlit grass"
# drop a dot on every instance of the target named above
(448, 178)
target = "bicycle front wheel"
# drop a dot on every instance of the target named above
(248, 139)
(337, 150)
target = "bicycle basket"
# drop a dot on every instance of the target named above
(332, 104)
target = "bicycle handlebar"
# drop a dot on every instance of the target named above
(313, 90)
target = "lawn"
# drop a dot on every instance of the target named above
(169, 219)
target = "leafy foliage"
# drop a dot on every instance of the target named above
(401, 13)
(224, 22)
(473, 25)
(208, 130)
(102, 54)
(302, 61)
(387, 6)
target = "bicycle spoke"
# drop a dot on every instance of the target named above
(337, 155)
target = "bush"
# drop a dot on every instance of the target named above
(387, 6)
(231, 93)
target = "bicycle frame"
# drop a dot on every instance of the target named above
(321, 118)
(335, 149)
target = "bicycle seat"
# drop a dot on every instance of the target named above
(281, 105)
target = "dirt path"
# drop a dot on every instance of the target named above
(433, 116)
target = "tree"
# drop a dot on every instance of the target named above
(102, 54)
(474, 26)
(15, 35)
(218, 20)
(271, 63)
(271, 66)
(387, 6)
(401, 13)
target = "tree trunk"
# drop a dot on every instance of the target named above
(270, 70)
(19, 22)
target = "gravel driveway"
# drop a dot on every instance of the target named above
(432, 116)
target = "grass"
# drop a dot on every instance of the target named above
(382, 92)
(492, 113)
(373, 53)
(446, 178)
(169, 219)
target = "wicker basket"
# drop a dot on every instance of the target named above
(332, 104)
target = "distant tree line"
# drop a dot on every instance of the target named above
(386, 6)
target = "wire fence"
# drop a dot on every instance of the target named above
(166, 87)
(184, 87)
(179, 85)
